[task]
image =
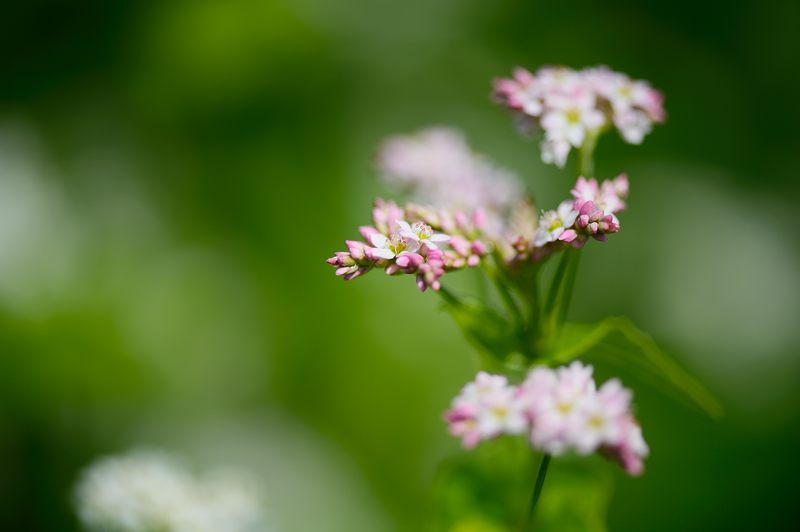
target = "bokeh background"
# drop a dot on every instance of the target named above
(173, 175)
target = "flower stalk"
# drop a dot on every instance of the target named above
(537, 491)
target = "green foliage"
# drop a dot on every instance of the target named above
(616, 340)
(488, 489)
(491, 334)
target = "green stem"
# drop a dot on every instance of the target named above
(559, 296)
(569, 286)
(505, 294)
(448, 296)
(586, 153)
(537, 490)
(556, 283)
(529, 291)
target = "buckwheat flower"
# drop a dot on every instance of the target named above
(464, 252)
(632, 449)
(600, 420)
(570, 117)
(609, 195)
(633, 125)
(569, 105)
(557, 225)
(484, 385)
(562, 410)
(352, 263)
(392, 246)
(409, 244)
(501, 412)
(422, 234)
(556, 80)
(429, 272)
(486, 408)
(149, 490)
(385, 215)
(555, 150)
(463, 424)
(520, 92)
(594, 221)
(625, 94)
(439, 170)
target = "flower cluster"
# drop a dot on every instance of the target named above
(407, 241)
(440, 170)
(591, 213)
(149, 490)
(560, 410)
(571, 105)
(412, 239)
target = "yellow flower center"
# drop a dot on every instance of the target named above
(573, 116)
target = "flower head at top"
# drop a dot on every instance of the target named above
(569, 105)
(562, 410)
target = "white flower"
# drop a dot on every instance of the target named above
(571, 116)
(560, 411)
(553, 224)
(601, 418)
(570, 105)
(633, 125)
(483, 386)
(554, 150)
(501, 413)
(144, 491)
(556, 80)
(393, 246)
(440, 170)
(422, 234)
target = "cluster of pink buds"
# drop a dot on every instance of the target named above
(561, 410)
(571, 105)
(407, 241)
(591, 213)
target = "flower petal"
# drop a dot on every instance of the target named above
(382, 253)
(378, 240)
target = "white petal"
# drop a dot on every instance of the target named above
(378, 240)
(404, 227)
(439, 237)
(382, 253)
(408, 235)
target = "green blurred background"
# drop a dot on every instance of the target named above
(173, 175)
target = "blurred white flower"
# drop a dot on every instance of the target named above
(440, 170)
(144, 491)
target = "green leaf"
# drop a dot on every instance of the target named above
(639, 353)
